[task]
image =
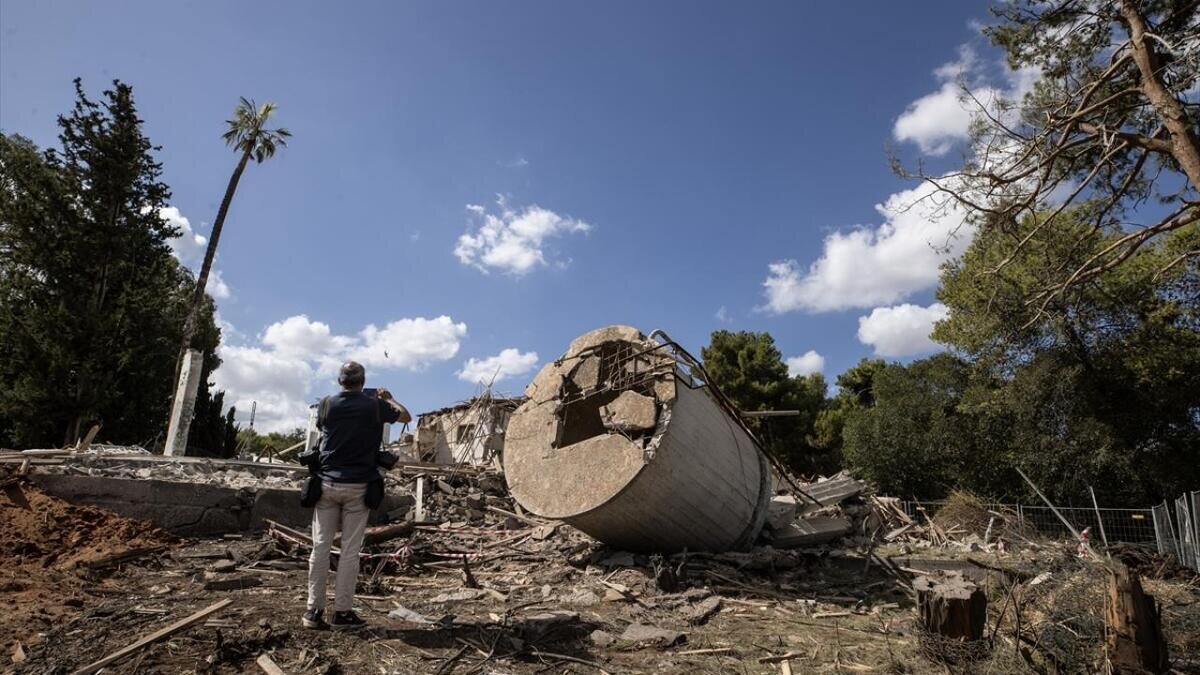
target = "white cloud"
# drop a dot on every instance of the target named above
(279, 383)
(513, 241)
(936, 121)
(216, 285)
(865, 267)
(902, 330)
(808, 363)
(296, 357)
(722, 315)
(411, 344)
(189, 248)
(939, 120)
(508, 363)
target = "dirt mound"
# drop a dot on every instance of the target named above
(54, 533)
(45, 543)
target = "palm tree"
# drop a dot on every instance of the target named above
(247, 134)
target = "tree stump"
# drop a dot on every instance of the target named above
(953, 613)
(1134, 625)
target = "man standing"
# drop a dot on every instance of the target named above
(351, 424)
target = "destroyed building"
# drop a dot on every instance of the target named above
(471, 432)
(622, 438)
(631, 483)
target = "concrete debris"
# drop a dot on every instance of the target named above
(641, 635)
(602, 638)
(617, 439)
(462, 595)
(630, 412)
(811, 531)
(832, 491)
(702, 611)
(405, 614)
(781, 512)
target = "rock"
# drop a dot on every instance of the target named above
(405, 614)
(535, 626)
(781, 512)
(461, 595)
(582, 597)
(704, 610)
(602, 639)
(223, 566)
(651, 636)
(613, 595)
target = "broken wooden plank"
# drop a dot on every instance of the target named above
(268, 665)
(382, 533)
(1134, 636)
(154, 637)
(524, 519)
(123, 556)
(86, 442)
(234, 584)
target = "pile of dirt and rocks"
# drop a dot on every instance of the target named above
(53, 555)
(45, 531)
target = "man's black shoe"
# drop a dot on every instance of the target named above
(314, 619)
(347, 620)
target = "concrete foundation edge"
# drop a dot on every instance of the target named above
(191, 509)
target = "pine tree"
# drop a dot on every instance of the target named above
(91, 298)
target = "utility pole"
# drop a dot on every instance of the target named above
(253, 407)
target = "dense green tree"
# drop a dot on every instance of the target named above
(252, 442)
(913, 440)
(855, 390)
(1103, 389)
(750, 370)
(91, 298)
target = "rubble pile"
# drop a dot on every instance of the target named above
(135, 462)
(476, 584)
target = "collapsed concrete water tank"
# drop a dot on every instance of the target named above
(622, 439)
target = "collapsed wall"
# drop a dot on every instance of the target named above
(622, 440)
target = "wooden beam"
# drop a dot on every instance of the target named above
(268, 665)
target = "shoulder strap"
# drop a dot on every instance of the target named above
(322, 412)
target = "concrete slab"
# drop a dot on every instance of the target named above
(629, 412)
(191, 509)
(811, 531)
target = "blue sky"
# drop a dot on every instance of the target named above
(482, 180)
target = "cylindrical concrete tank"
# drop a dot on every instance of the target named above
(620, 440)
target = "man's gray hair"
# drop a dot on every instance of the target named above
(352, 375)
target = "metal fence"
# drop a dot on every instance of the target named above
(1170, 528)
(1130, 526)
(1183, 539)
